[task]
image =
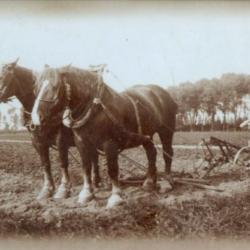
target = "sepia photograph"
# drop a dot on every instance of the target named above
(124, 124)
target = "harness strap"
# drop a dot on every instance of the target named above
(108, 113)
(68, 120)
(27, 121)
(137, 115)
(135, 137)
(82, 120)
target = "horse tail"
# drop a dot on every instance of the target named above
(172, 118)
(172, 110)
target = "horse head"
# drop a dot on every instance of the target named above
(7, 81)
(50, 93)
(59, 88)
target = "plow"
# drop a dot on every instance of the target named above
(215, 154)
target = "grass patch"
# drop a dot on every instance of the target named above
(238, 137)
(187, 138)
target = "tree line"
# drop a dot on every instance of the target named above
(11, 121)
(213, 104)
(208, 104)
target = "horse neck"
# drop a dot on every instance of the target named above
(27, 101)
(85, 94)
(110, 96)
(24, 92)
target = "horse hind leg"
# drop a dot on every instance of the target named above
(166, 137)
(150, 182)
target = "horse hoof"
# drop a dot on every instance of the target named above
(85, 197)
(62, 192)
(45, 194)
(165, 186)
(149, 185)
(114, 200)
(170, 179)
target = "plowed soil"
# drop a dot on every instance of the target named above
(184, 212)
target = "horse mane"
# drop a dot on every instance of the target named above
(91, 77)
(47, 74)
(76, 76)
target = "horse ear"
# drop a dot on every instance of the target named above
(67, 67)
(14, 64)
(63, 70)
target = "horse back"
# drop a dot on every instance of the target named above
(153, 101)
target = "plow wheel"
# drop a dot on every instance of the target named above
(242, 157)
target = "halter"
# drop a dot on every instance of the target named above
(21, 94)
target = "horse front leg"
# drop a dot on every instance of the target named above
(96, 175)
(64, 188)
(111, 151)
(86, 193)
(48, 185)
(166, 137)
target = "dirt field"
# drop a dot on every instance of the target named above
(184, 212)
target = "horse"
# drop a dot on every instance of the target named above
(20, 82)
(103, 119)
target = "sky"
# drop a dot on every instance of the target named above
(142, 42)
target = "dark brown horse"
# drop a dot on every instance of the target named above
(104, 119)
(18, 81)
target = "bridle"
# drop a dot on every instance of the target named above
(55, 99)
(18, 87)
